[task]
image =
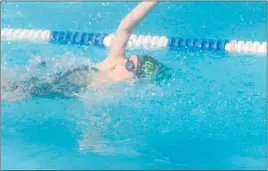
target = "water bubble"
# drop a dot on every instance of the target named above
(239, 91)
(241, 18)
(250, 83)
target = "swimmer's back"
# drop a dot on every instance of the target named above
(64, 84)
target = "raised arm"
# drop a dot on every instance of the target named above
(125, 28)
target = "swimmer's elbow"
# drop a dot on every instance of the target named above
(122, 31)
(123, 34)
(125, 26)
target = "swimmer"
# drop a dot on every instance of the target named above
(115, 68)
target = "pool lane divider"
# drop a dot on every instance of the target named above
(135, 42)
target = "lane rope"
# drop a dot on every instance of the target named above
(135, 41)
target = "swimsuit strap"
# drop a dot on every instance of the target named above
(95, 69)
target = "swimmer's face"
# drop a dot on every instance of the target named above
(126, 69)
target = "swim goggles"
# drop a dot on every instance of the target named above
(129, 65)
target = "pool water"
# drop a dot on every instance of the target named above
(211, 115)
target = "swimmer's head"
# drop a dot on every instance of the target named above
(141, 67)
(147, 67)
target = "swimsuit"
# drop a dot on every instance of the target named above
(66, 84)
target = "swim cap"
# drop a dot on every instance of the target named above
(148, 67)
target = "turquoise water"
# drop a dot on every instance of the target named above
(211, 115)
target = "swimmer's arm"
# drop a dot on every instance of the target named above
(125, 28)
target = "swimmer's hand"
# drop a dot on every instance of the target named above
(124, 30)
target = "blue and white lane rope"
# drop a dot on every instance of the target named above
(135, 41)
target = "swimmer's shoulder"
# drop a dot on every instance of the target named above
(107, 64)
